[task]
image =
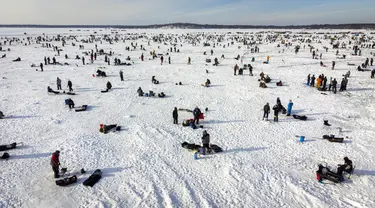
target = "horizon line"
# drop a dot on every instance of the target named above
(190, 24)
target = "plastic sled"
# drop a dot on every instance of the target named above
(67, 181)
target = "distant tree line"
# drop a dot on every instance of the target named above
(204, 26)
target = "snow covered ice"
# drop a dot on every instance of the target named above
(144, 165)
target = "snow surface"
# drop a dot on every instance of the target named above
(263, 164)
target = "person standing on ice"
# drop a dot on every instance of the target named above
(278, 102)
(83, 60)
(55, 163)
(266, 111)
(206, 142)
(312, 83)
(250, 70)
(121, 75)
(276, 110)
(342, 85)
(334, 86)
(45, 60)
(70, 84)
(371, 61)
(58, 82)
(189, 60)
(41, 66)
(142, 57)
(196, 113)
(333, 65)
(308, 79)
(290, 106)
(235, 69)
(169, 60)
(161, 60)
(175, 116)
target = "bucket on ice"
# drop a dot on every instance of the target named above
(196, 156)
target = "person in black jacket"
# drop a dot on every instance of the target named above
(175, 116)
(109, 85)
(206, 142)
(312, 83)
(140, 91)
(70, 103)
(347, 166)
(278, 102)
(266, 110)
(276, 111)
(70, 86)
(196, 113)
(41, 66)
(122, 76)
(342, 86)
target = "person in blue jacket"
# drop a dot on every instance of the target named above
(290, 105)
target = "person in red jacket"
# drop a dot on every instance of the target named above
(55, 163)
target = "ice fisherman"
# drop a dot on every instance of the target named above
(175, 116)
(266, 110)
(206, 142)
(55, 163)
(290, 106)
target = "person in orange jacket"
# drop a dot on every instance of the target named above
(319, 82)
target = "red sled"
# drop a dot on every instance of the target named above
(201, 116)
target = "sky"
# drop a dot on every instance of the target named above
(144, 12)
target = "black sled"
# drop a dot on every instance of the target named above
(8, 147)
(67, 181)
(83, 108)
(332, 138)
(303, 118)
(93, 179)
(324, 173)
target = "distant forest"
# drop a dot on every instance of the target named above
(205, 26)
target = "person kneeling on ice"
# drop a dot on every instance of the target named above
(109, 85)
(208, 83)
(55, 163)
(154, 81)
(347, 166)
(140, 92)
(1, 115)
(70, 103)
(206, 142)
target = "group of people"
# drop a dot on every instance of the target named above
(321, 82)
(277, 108)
